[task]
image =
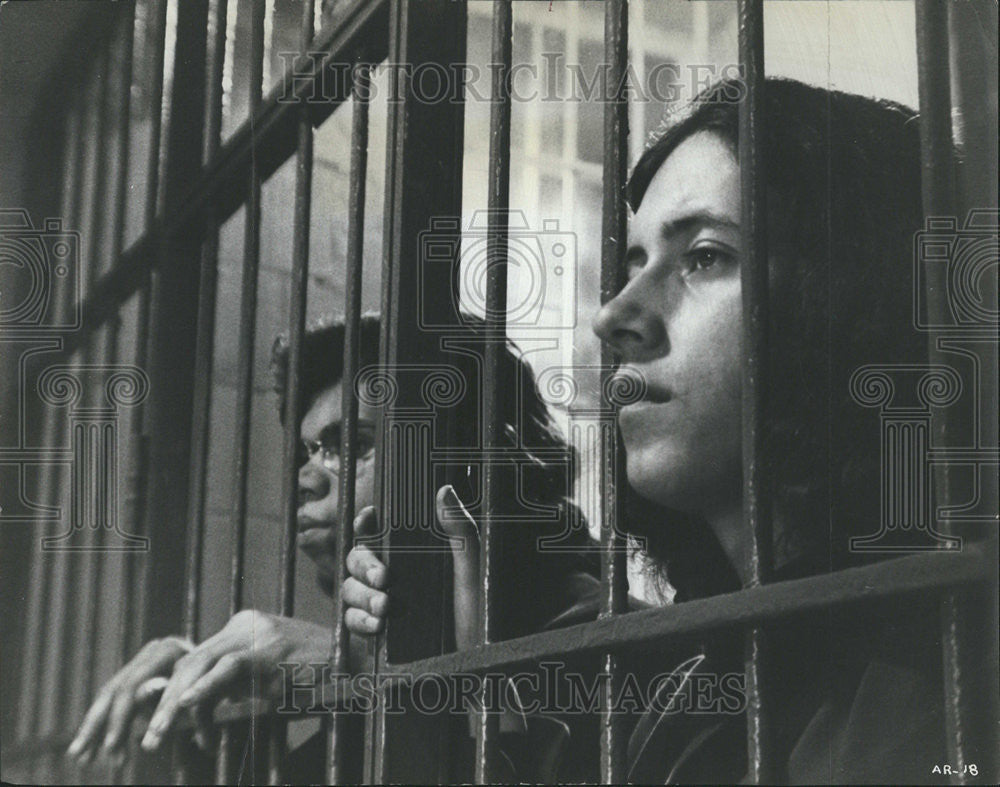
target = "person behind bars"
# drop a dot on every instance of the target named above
(856, 695)
(190, 678)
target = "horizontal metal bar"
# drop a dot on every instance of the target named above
(271, 138)
(938, 572)
(935, 572)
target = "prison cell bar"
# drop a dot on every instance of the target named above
(423, 185)
(970, 710)
(245, 367)
(204, 352)
(614, 577)
(138, 452)
(54, 431)
(753, 275)
(292, 415)
(269, 139)
(337, 752)
(109, 352)
(205, 341)
(494, 487)
(84, 555)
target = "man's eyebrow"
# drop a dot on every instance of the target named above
(331, 432)
(673, 227)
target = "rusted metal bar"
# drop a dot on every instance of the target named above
(337, 753)
(245, 365)
(614, 579)
(970, 701)
(754, 277)
(495, 486)
(223, 186)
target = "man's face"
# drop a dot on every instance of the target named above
(677, 324)
(319, 498)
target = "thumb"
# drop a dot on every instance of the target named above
(366, 522)
(463, 534)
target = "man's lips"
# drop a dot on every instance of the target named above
(631, 388)
(304, 523)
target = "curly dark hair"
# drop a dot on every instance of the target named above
(536, 577)
(843, 177)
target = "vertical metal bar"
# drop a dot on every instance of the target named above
(172, 326)
(86, 598)
(204, 350)
(614, 579)
(138, 457)
(244, 382)
(53, 432)
(336, 750)
(498, 204)
(423, 194)
(206, 338)
(109, 352)
(754, 273)
(970, 703)
(296, 328)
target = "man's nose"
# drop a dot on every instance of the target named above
(314, 484)
(633, 327)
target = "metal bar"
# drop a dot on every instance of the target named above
(205, 341)
(223, 185)
(336, 742)
(204, 352)
(293, 414)
(244, 374)
(111, 349)
(969, 705)
(82, 595)
(495, 488)
(901, 577)
(754, 276)
(614, 570)
(423, 191)
(138, 440)
(53, 434)
(109, 352)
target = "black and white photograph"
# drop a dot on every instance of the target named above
(499, 391)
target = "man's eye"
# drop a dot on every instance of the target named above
(706, 257)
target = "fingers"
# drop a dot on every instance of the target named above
(216, 681)
(365, 567)
(115, 705)
(187, 671)
(83, 744)
(366, 522)
(360, 622)
(461, 528)
(464, 536)
(367, 599)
